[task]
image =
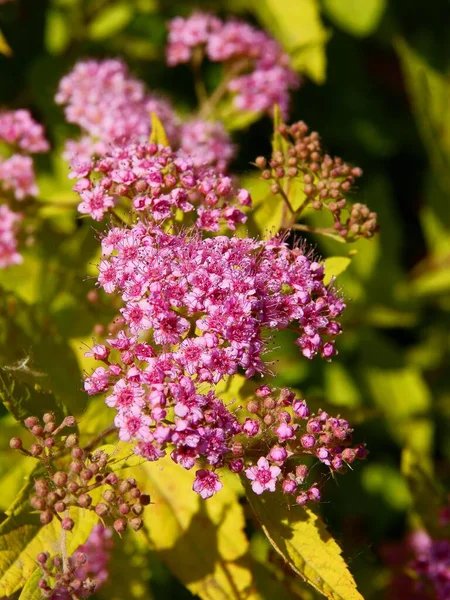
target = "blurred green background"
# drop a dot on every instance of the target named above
(377, 87)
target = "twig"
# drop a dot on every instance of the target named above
(99, 437)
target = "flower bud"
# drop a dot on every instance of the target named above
(70, 421)
(120, 526)
(144, 499)
(84, 500)
(71, 440)
(67, 524)
(60, 506)
(236, 465)
(31, 422)
(37, 431)
(77, 453)
(101, 509)
(136, 523)
(38, 503)
(49, 442)
(41, 487)
(253, 406)
(50, 427)
(60, 478)
(124, 487)
(15, 443)
(73, 487)
(135, 493)
(46, 517)
(138, 509)
(43, 557)
(49, 417)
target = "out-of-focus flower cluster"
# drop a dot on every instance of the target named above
(20, 135)
(113, 108)
(195, 312)
(86, 571)
(258, 71)
(325, 180)
(109, 105)
(20, 132)
(158, 182)
(431, 564)
(9, 222)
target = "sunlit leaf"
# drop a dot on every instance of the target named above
(112, 19)
(4, 46)
(158, 134)
(334, 266)
(57, 32)
(203, 543)
(298, 26)
(354, 16)
(301, 538)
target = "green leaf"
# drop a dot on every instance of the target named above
(32, 591)
(400, 392)
(22, 537)
(354, 16)
(279, 142)
(427, 500)
(25, 399)
(112, 19)
(334, 266)
(341, 389)
(430, 94)
(298, 26)
(265, 218)
(57, 32)
(4, 46)
(158, 134)
(301, 538)
(202, 542)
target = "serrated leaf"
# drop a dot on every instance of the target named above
(202, 542)
(355, 17)
(158, 134)
(301, 538)
(26, 400)
(23, 537)
(334, 266)
(298, 26)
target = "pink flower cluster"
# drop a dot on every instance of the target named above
(263, 72)
(431, 564)
(158, 182)
(195, 312)
(8, 242)
(19, 130)
(109, 105)
(207, 144)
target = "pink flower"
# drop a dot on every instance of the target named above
(263, 476)
(133, 424)
(95, 203)
(98, 382)
(206, 483)
(9, 222)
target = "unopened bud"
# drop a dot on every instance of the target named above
(46, 517)
(43, 557)
(101, 509)
(144, 499)
(71, 440)
(15, 443)
(60, 506)
(60, 478)
(70, 421)
(84, 500)
(120, 526)
(30, 422)
(49, 417)
(136, 523)
(67, 524)
(253, 406)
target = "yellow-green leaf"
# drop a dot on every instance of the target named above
(334, 266)
(202, 542)
(158, 134)
(112, 19)
(430, 94)
(32, 591)
(301, 538)
(298, 26)
(357, 17)
(4, 46)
